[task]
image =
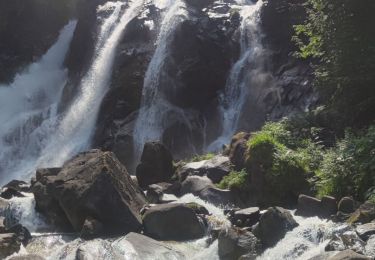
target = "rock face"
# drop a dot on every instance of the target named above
(172, 222)
(234, 243)
(156, 165)
(273, 225)
(92, 185)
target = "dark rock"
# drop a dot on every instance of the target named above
(346, 205)
(91, 228)
(328, 206)
(17, 185)
(11, 241)
(198, 209)
(195, 184)
(170, 188)
(172, 222)
(273, 225)
(233, 243)
(364, 214)
(9, 193)
(154, 193)
(156, 164)
(309, 206)
(366, 230)
(237, 150)
(199, 4)
(248, 217)
(348, 255)
(218, 196)
(347, 240)
(94, 185)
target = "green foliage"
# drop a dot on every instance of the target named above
(339, 35)
(349, 167)
(198, 158)
(234, 180)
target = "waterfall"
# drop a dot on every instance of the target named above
(32, 134)
(244, 74)
(156, 111)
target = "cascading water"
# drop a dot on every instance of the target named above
(156, 111)
(247, 71)
(32, 134)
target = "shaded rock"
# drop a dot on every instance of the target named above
(366, 230)
(347, 240)
(215, 169)
(233, 243)
(11, 241)
(170, 188)
(195, 184)
(94, 185)
(14, 189)
(198, 209)
(217, 196)
(27, 257)
(237, 150)
(348, 255)
(3, 206)
(199, 4)
(156, 164)
(273, 225)
(346, 205)
(364, 214)
(91, 228)
(248, 217)
(309, 206)
(154, 193)
(172, 222)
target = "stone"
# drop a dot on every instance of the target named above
(273, 225)
(195, 184)
(27, 257)
(364, 214)
(156, 165)
(12, 241)
(348, 255)
(154, 193)
(366, 230)
(172, 222)
(346, 205)
(95, 185)
(347, 240)
(91, 228)
(234, 242)
(237, 150)
(328, 206)
(3, 206)
(308, 206)
(248, 216)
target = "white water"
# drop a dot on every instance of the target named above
(32, 134)
(156, 112)
(247, 71)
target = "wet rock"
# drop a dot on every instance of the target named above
(273, 225)
(366, 230)
(370, 246)
(309, 206)
(248, 217)
(364, 214)
(195, 184)
(215, 169)
(198, 209)
(91, 228)
(9, 193)
(3, 206)
(27, 257)
(14, 189)
(170, 188)
(237, 150)
(347, 240)
(172, 222)
(154, 193)
(94, 185)
(234, 243)
(348, 255)
(218, 196)
(13, 239)
(156, 164)
(346, 205)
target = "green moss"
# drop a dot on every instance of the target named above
(234, 180)
(198, 158)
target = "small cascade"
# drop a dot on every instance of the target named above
(156, 111)
(244, 75)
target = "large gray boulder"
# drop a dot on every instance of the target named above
(273, 225)
(156, 165)
(348, 255)
(347, 240)
(366, 230)
(13, 239)
(92, 186)
(173, 222)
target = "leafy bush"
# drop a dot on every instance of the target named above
(349, 167)
(234, 180)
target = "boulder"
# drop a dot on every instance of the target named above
(154, 193)
(156, 165)
(273, 225)
(91, 228)
(364, 214)
(13, 239)
(348, 255)
(347, 240)
(346, 205)
(309, 206)
(234, 243)
(14, 189)
(92, 185)
(195, 184)
(247, 217)
(237, 150)
(366, 230)
(172, 222)
(370, 246)
(215, 169)
(218, 196)
(170, 188)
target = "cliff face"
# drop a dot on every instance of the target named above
(27, 29)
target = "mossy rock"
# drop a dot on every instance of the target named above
(198, 209)
(364, 214)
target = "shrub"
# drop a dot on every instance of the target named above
(234, 180)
